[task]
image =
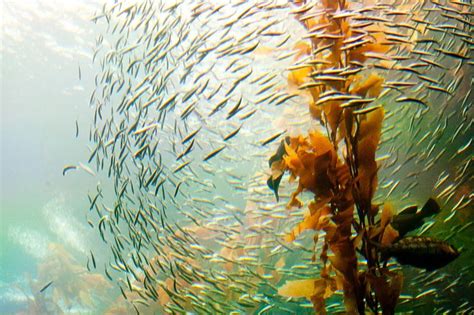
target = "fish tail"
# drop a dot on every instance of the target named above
(430, 208)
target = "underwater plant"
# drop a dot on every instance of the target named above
(69, 283)
(62, 285)
(337, 163)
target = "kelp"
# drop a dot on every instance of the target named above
(61, 283)
(337, 163)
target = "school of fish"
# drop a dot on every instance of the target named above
(193, 99)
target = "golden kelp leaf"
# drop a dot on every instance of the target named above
(344, 257)
(386, 64)
(294, 201)
(332, 111)
(298, 77)
(291, 159)
(327, 226)
(358, 54)
(299, 141)
(369, 138)
(344, 260)
(278, 168)
(308, 288)
(230, 255)
(346, 27)
(334, 57)
(374, 210)
(303, 48)
(389, 235)
(310, 222)
(387, 289)
(370, 87)
(310, 23)
(263, 50)
(200, 232)
(338, 263)
(280, 263)
(317, 204)
(357, 241)
(343, 176)
(325, 288)
(298, 288)
(315, 111)
(372, 125)
(162, 294)
(330, 287)
(275, 272)
(378, 45)
(290, 237)
(330, 4)
(312, 164)
(343, 219)
(374, 231)
(321, 177)
(314, 92)
(339, 282)
(346, 269)
(387, 214)
(321, 144)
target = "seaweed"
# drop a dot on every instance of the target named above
(337, 163)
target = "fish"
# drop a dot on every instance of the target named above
(410, 219)
(452, 53)
(67, 168)
(107, 274)
(86, 169)
(165, 78)
(93, 259)
(186, 151)
(235, 109)
(219, 105)
(421, 252)
(232, 134)
(145, 129)
(140, 152)
(187, 111)
(214, 153)
(46, 286)
(177, 189)
(180, 167)
(412, 100)
(271, 138)
(248, 114)
(168, 101)
(190, 136)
